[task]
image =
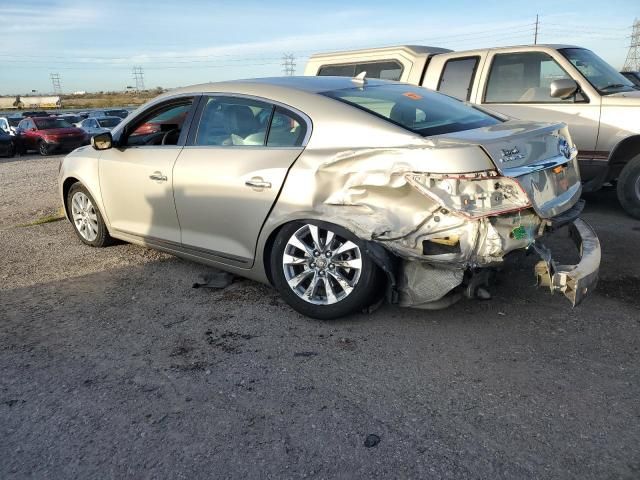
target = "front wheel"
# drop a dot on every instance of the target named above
(629, 187)
(322, 272)
(86, 218)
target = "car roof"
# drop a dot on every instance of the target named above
(300, 83)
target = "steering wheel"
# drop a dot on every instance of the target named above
(166, 135)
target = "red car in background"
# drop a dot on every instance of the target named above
(47, 135)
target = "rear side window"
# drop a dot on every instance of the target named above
(385, 70)
(233, 121)
(286, 130)
(417, 109)
(457, 77)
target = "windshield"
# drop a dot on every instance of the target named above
(602, 76)
(50, 123)
(13, 121)
(414, 108)
(108, 122)
(72, 118)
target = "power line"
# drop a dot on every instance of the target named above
(289, 64)
(632, 63)
(138, 76)
(55, 81)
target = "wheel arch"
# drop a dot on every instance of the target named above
(66, 186)
(384, 259)
(624, 151)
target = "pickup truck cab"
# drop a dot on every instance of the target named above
(533, 82)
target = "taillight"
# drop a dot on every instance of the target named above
(472, 195)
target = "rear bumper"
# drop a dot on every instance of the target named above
(574, 281)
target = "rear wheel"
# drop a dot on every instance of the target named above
(628, 188)
(86, 218)
(322, 271)
(43, 148)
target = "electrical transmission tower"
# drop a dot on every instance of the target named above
(55, 81)
(138, 76)
(632, 63)
(289, 64)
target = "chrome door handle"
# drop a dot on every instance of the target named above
(257, 182)
(158, 176)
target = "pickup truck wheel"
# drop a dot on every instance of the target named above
(629, 187)
(322, 272)
(43, 148)
(86, 218)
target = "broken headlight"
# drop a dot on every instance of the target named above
(473, 195)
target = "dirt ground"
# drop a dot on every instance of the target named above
(114, 366)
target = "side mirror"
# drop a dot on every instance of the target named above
(563, 88)
(102, 141)
(32, 129)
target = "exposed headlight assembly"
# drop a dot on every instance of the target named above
(474, 195)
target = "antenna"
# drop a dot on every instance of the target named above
(55, 81)
(360, 79)
(632, 63)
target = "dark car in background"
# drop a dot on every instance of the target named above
(47, 135)
(35, 113)
(7, 145)
(116, 112)
(633, 76)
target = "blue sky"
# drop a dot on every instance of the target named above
(93, 45)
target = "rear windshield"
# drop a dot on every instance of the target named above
(417, 109)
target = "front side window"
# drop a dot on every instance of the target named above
(457, 77)
(162, 126)
(602, 76)
(417, 109)
(235, 121)
(524, 78)
(385, 70)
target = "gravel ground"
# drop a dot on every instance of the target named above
(113, 366)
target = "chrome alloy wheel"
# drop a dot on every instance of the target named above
(84, 216)
(321, 267)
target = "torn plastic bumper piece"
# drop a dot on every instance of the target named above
(573, 281)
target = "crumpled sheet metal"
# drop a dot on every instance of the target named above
(573, 281)
(366, 191)
(421, 284)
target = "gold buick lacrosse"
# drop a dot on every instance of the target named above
(339, 192)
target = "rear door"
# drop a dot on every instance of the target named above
(230, 173)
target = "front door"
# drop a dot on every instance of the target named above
(136, 176)
(227, 179)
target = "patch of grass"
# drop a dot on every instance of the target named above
(52, 217)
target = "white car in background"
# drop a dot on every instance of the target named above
(93, 126)
(6, 127)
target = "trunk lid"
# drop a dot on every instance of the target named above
(540, 156)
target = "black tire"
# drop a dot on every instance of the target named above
(43, 148)
(628, 187)
(11, 151)
(102, 238)
(367, 290)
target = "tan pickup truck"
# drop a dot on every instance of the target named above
(533, 82)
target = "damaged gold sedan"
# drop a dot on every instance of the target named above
(339, 192)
